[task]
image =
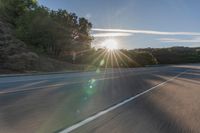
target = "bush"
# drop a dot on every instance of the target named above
(22, 61)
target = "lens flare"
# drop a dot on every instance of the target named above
(110, 44)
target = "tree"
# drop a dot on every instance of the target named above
(54, 33)
(12, 9)
(83, 37)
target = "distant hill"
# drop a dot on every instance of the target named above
(174, 55)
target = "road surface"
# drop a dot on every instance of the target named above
(138, 100)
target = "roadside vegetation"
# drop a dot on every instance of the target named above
(174, 55)
(35, 38)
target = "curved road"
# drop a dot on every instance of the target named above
(139, 100)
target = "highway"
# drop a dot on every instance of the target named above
(163, 99)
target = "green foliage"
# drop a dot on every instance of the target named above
(143, 58)
(175, 55)
(54, 32)
(12, 9)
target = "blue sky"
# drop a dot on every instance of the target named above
(138, 23)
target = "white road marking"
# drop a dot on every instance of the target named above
(14, 90)
(47, 77)
(28, 85)
(101, 113)
(30, 89)
(53, 85)
(192, 73)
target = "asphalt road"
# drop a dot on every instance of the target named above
(138, 100)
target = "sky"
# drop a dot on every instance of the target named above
(138, 23)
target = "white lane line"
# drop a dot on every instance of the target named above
(47, 77)
(28, 85)
(15, 90)
(7, 91)
(30, 89)
(101, 113)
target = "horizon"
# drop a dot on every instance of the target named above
(138, 24)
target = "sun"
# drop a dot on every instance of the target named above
(110, 44)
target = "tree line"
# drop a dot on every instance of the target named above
(174, 55)
(64, 36)
(48, 32)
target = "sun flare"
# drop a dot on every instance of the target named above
(110, 44)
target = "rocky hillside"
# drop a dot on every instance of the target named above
(14, 54)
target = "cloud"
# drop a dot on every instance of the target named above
(113, 34)
(148, 32)
(178, 40)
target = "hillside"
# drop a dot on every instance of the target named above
(15, 56)
(27, 43)
(35, 38)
